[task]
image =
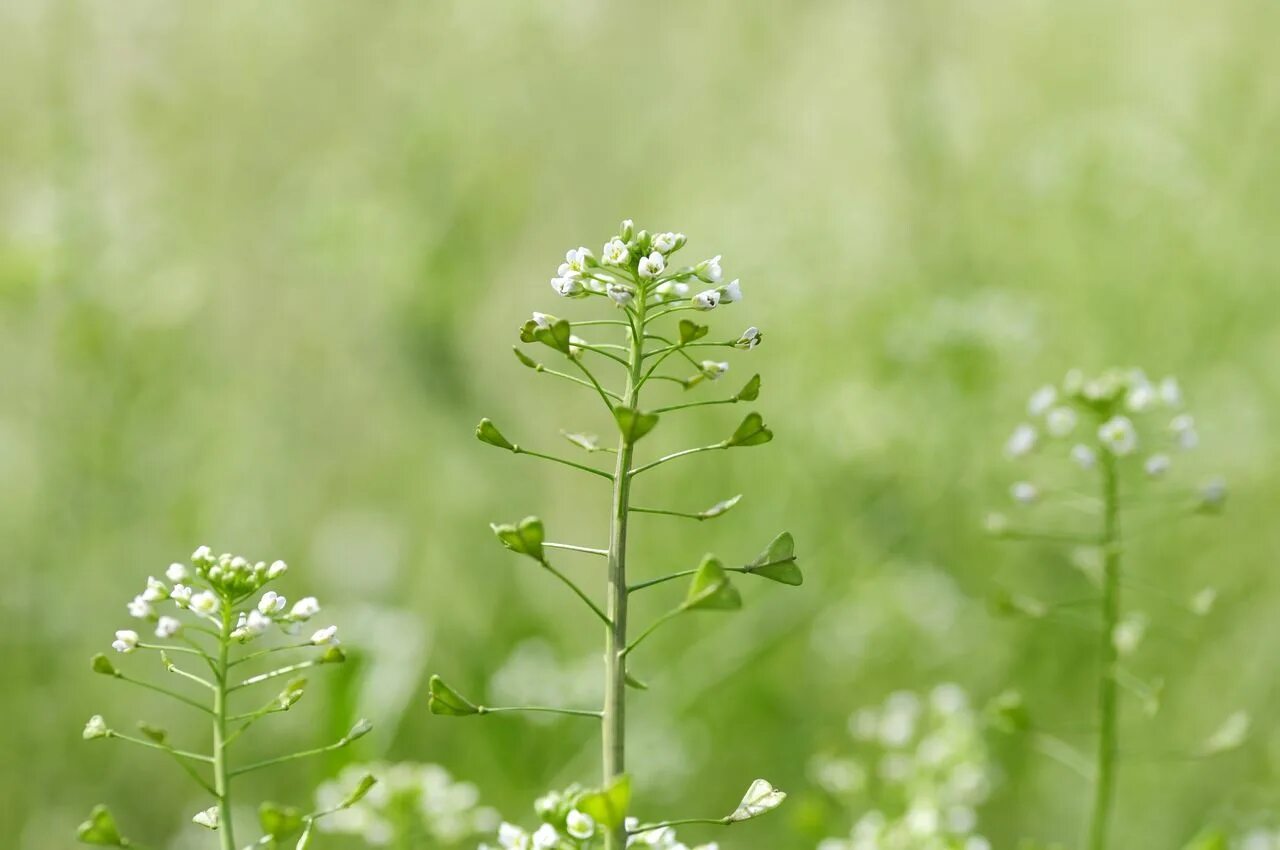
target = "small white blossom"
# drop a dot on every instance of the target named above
(731, 292)
(140, 608)
(177, 572)
(652, 266)
(1170, 392)
(1129, 632)
(545, 837)
(126, 641)
(1157, 465)
(204, 603)
(305, 608)
(181, 595)
(167, 627)
(671, 289)
(202, 554)
(576, 260)
(1024, 492)
(1022, 441)
(157, 591)
(326, 636)
(615, 253)
(1202, 603)
(1060, 422)
(277, 569)
(664, 242)
(1084, 456)
(708, 300)
(1183, 427)
(271, 603)
(714, 369)
(512, 837)
(621, 294)
(709, 270)
(1141, 398)
(1119, 435)
(1041, 400)
(750, 339)
(1213, 492)
(208, 818)
(1231, 734)
(567, 287)
(251, 625)
(96, 728)
(580, 825)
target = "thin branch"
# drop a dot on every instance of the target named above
(1064, 754)
(653, 627)
(173, 695)
(282, 671)
(604, 396)
(154, 746)
(604, 618)
(603, 353)
(572, 712)
(336, 745)
(260, 653)
(687, 404)
(173, 668)
(650, 827)
(637, 470)
(544, 370)
(572, 548)
(600, 472)
(167, 648)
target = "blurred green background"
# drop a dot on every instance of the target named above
(261, 266)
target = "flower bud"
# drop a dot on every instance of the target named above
(140, 608)
(277, 569)
(203, 556)
(1024, 492)
(708, 300)
(621, 294)
(208, 818)
(714, 369)
(326, 636)
(627, 230)
(1157, 465)
(709, 270)
(167, 627)
(96, 728)
(750, 339)
(157, 591)
(664, 243)
(181, 595)
(568, 287)
(305, 608)
(126, 641)
(671, 290)
(731, 292)
(1021, 442)
(271, 603)
(178, 572)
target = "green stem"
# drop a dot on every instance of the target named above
(179, 697)
(579, 592)
(671, 407)
(315, 751)
(523, 451)
(221, 774)
(613, 737)
(1104, 786)
(572, 712)
(653, 627)
(570, 547)
(649, 827)
(675, 455)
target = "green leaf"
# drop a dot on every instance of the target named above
(487, 432)
(760, 798)
(278, 821)
(525, 538)
(751, 391)
(778, 562)
(444, 700)
(358, 793)
(608, 806)
(633, 682)
(691, 331)
(586, 442)
(155, 733)
(752, 432)
(525, 359)
(710, 589)
(633, 424)
(100, 829)
(556, 336)
(720, 508)
(362, 727)
(102, 664)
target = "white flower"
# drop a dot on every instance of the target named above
(615, 253)
(546, 837)
(671, 289)
(512, 837)
(576, 260)
(140, 608)
(652, 265)
(1170, 392)
(1231, 734)
(181, 595)
(96, 728)
(664, 242)
(750, 339)
(177, 572)
(277, 569)
(156, 591)
(713, 369)
(1157, 465)
(251, 625)
(208, 818)
(1041, 400)
(708, 300)
(1129, 632)
(1024, 492)
(761, 797)
(167, 627)
(326, 636)
(203, 554)
(1022, 441)
(731, 292)
(1141, 397)
(204, 603)
(1118, 435)
(1183, 427)
(126, 641)
(580, 825)
(709, 270)
(271, 603)
(1060, 421)
(1202, 602)
(1213, 492)
(567, 287)
(1084, 456)
(305, 608)
(621, 294)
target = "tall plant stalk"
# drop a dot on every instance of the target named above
(1108, 658)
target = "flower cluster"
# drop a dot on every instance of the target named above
(920, 773)
(564, 827)
(1118, 415)
(412, 804)
(637, 264)
(210, 584)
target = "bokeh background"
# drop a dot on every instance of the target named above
(261, 266)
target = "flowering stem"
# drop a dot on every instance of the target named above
(221, 776)
(1104, 786)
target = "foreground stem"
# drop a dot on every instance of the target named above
(1104, 787)
(221, 775)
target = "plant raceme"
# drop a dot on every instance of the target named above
(209, 612)
(1120, 433)
(656, 304)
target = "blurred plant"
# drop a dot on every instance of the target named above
(635, 276)
(211, 592)
(412, 806)
(1120, 429)
(920, 773)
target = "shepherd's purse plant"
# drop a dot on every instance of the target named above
(209, 611)
(1119, 433)
(655, 303)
